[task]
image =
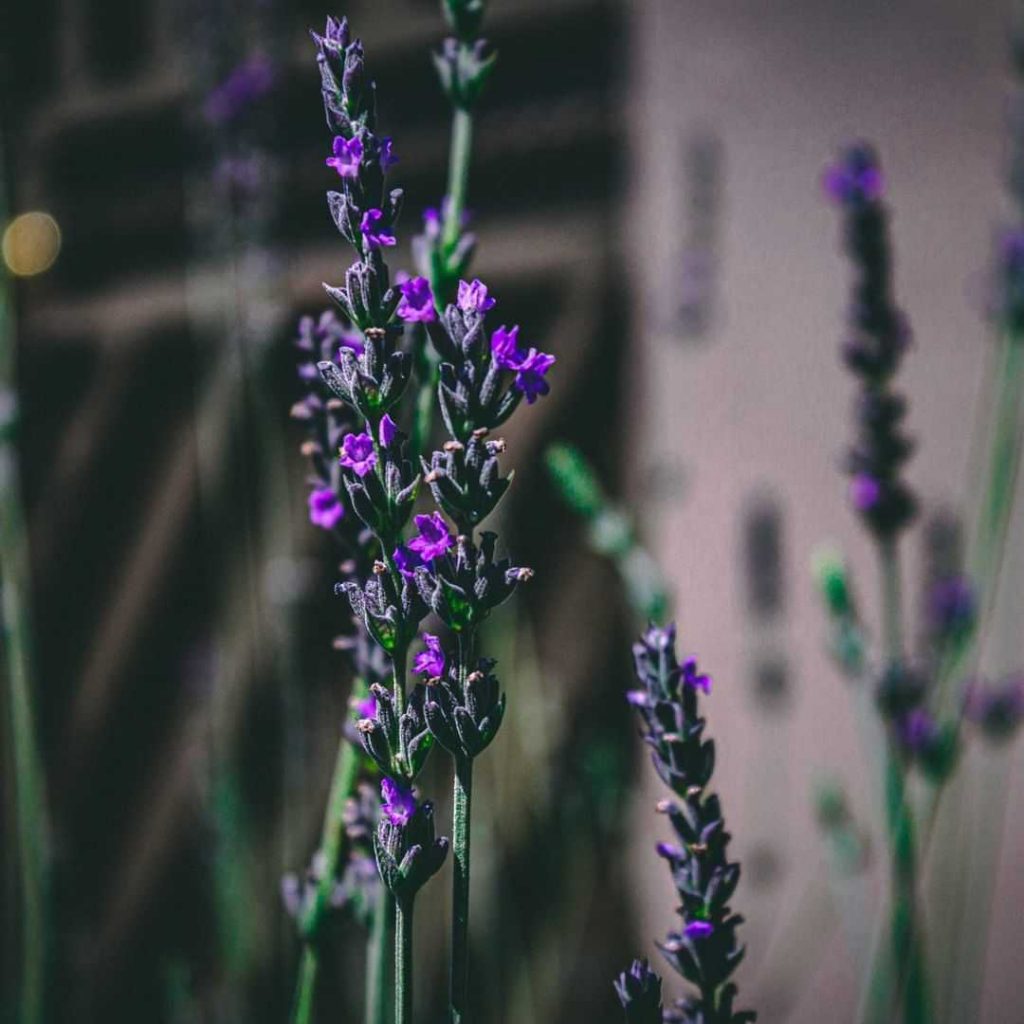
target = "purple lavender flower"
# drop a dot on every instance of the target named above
(951, 604)
(357, 454)
(505, 347)
(387, 431)
(434, 539)
(248, 82)
(473, 297)
(417, 302)
(855, 177)
(347, 154)
(530, 375)
(698, 929)
(397, 804)
(406, 561)
(694, 679)
(375, 237)
(432, 223)
(387, 154)
(638, 698)
(865, 492)
(324, 508)
(917, 730)
(365, 708)
(997, 710)
(431, 662)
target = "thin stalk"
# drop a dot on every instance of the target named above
(461, 812)
(377, 965)
(458, 178)
(302, 1010)
(905, 928)
(346, 771)
(403, 963)
(29, 789)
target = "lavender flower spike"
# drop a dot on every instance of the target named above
(705, 951)
(639, 991)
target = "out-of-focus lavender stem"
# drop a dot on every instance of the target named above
(29, 796)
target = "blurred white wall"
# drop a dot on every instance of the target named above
(761, 403)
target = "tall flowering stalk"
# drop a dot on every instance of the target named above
(394, 578)
(705, 950)
(878, 338)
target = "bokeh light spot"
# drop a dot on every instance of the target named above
(31, 243)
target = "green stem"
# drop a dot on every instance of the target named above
(346, 771)
(29, 790)
(461, 812)
(458, 179)
(377, 967)
(403, 963)
(905, 929)
(302, 1011)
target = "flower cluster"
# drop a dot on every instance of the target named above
(407, 851)
(355, 886)
(879, 336)
(705, 950)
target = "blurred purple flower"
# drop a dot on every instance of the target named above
(694, 679)
(387, 154)
(324, 508)
(865, 492)
(248, 82)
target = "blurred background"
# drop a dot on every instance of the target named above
(645, 189)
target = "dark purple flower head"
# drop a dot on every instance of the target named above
(952, 604)
(505, 347)
(417, 302)
(473, 297)
(917, 730)
(997, 710)
(387, 431)
(397, 804)
(324, 508)
(694, 679)
(347, 154)
(430, 662)
(406, 561)
(865, 492)
(374, 235)
(530, 375)
(335, 37)
(357, 453)
(855, 178)
(387, 154)
(698, 929)
(434, 539)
